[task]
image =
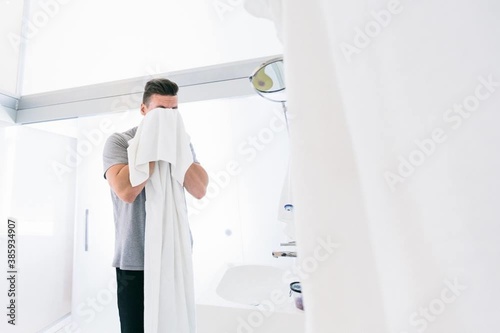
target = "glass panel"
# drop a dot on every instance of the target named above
(86, 42)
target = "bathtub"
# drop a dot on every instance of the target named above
(248, 299)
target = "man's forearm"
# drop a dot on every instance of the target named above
(124, 189)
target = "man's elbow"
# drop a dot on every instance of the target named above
(127, 196)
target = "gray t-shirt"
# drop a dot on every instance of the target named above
(130, 218)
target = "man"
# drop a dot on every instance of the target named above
(130, 211)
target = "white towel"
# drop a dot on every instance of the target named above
(169, 305)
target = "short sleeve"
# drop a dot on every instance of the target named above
(194, 153)
(114, 152)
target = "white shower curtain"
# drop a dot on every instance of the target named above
(395, 163)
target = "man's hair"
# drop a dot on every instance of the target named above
(160, 87)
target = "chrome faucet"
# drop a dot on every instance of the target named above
(278, 254)
(291, 254)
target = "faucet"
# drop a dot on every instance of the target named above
(278, 254)
(291, 254)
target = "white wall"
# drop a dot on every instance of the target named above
(43, 206)
(84, 42)
(10, 31)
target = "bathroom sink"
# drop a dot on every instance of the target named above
(254, 285)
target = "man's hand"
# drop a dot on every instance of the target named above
(196, 181)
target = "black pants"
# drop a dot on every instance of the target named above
(130, 291)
